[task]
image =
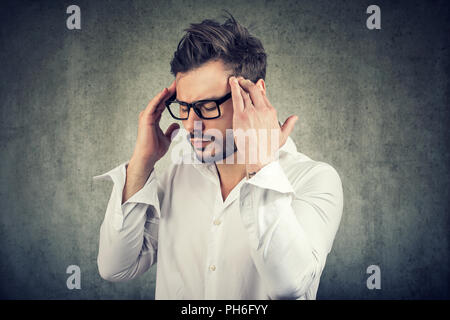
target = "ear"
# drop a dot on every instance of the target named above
(262, 85)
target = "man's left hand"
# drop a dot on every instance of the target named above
(252, 110)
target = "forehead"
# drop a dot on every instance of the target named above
(208, 81)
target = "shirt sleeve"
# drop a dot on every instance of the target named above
(291, 225)
(129, 232)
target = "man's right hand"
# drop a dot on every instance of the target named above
(152, 143)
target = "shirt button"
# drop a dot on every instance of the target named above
(212, 267)
(217, 222)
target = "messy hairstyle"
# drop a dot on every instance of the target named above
(230, 42)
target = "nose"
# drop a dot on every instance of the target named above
(193, 122)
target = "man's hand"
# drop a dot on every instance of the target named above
(152, 143)
(252, 110)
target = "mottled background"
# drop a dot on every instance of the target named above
(374, 104)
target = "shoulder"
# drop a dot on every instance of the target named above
(308, 175)
(317, 185)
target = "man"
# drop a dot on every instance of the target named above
(226, 226)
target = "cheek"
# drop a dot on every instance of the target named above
(226, 126)
(221, 124)
(227, 116)
(218, 129)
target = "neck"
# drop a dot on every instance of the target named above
(230, 175)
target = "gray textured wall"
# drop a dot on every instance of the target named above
(374, 104)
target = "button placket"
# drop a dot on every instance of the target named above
(212, 254)
(219, 209)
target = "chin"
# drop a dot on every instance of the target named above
(210, 156)
(206, 156)
(214, 152)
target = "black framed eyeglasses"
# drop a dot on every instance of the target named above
(205, 109)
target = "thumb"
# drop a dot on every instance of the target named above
(171, 129)
(288, 125)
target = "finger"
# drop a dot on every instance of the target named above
(247, 101)
(238, 102)
(288, 125)
(254, 91)
(172, 86)
(162, 105)
(170, 92)
(157, 113)
(171, 129)
(153, 104)
(245, 96)
(267, 101)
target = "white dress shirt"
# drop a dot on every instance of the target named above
(268, 240)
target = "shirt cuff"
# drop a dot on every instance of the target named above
(146, 195)
(272, 177)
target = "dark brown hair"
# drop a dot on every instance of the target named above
(230, 42)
